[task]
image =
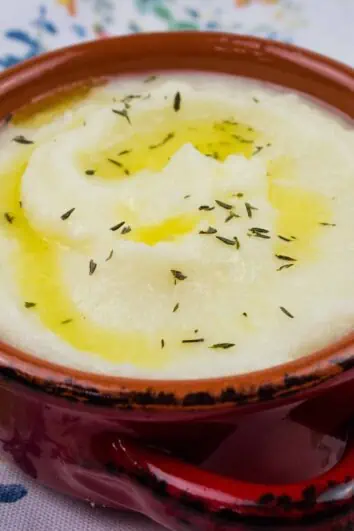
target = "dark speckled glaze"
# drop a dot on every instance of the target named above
(270, 449)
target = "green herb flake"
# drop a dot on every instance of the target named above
(118, 226)
(258, 232)
(284, 238)
(186, 197)
(178, 275)
(115, 162)
(162, 343)
(123, 113)
(92, 267)
(177, 102)
(256, 100)
(245, 314)
(257, 150)
(175, 308)
(223, 345)
(196, 340)
(231, 216)
(109, 256)
(285, 266)
(229, 122)
(90, 172)
(285, 258)
(237, 242)
(67, 214)
(327, 224)
(223, 205)
(124, 152)
(210, 230)
(9, 217)
(227, 241)
(66, 321)
(30, 304)
(286, 312)
(20, 139)
(206, 207)
(126, 229)
(249, 209)
(242, 140)
(163, 142)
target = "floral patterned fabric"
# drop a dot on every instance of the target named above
(30, 27)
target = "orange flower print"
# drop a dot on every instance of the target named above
(70, 6)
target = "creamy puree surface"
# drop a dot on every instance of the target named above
(176, 226)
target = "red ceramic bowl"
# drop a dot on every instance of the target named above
(272, 447)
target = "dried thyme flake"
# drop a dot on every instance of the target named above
(245, 314)
(66, 321)
(109, 256)
(256, 100)
(178, 275)
(284, 310)
(118, 226)
(130, 97)
(223, 205)
(163, 142)
(197, 340)
(206, 207)
(162, 343)
(324, 224)
(255, 234)
(123, 113)
(257, 150)
(67, 214)
(242, 140)
(9, 217)
(210, 230)
(124, 152)
(30, 304)
(285, 266)
(229, 122)
(115, 162)
(231, 216)
(90, 172)
(177, 102)
(249, 209)
(92, 267)
(20, 139)
(227, 241)
(126, 229)
(175, 308)
(222, 345)
(284, 238)
(259, 230)
(285, 258)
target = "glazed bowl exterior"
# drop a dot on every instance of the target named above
(273, 447)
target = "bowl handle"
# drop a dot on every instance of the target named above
(209, 493)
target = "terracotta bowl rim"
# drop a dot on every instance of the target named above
(263, 385)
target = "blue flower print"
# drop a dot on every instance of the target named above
(12, 493)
